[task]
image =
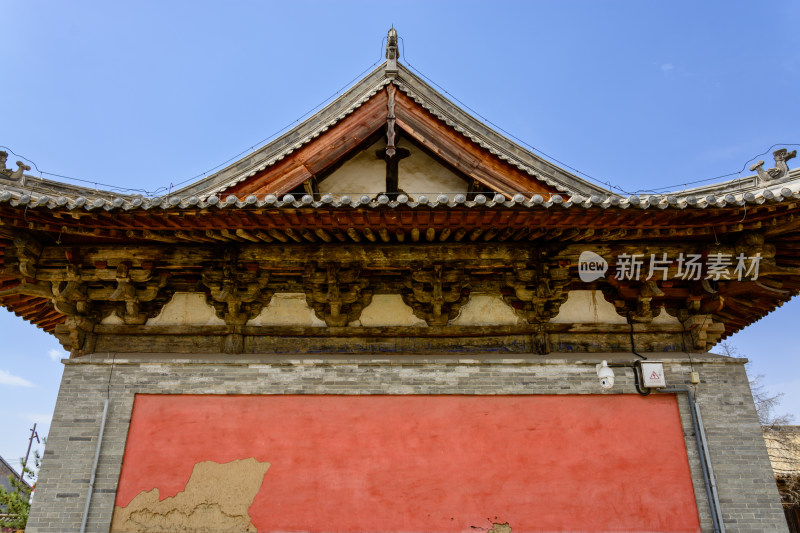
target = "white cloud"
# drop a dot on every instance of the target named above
(666, 67)
(41, 419)
(57, 355)
(7, 378)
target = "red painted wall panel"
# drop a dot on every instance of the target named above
(428, 463)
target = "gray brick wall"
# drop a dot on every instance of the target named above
(747, 491)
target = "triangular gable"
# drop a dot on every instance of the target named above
(420, 173)
(340, 130)
(412, 120)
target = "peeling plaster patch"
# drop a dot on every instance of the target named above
(216, 498)
(187, 308)
(389, 310)
(287, 309)
(497, 527)
(587, 307)
(485, 310)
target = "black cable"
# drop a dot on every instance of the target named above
(633, 346)
(253, 147)
(22, 157)
(110, 373)
(657, 190)
(683, 345)
(278, 132)
(596, 180)
(635, 366)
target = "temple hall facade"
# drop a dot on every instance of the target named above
(393, 318)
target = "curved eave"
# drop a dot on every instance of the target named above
(497, 220)
(383, 220)
(43, 197)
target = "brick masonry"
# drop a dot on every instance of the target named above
(747, 490)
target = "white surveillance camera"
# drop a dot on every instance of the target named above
(606, 375)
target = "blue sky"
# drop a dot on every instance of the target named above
(640, 95)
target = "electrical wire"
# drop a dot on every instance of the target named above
(110, 373)
(636, 366)
(260, 143)
(578, 171)
(253, 147)
(633, 346)
(608, 184)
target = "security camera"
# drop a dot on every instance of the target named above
(606, 375)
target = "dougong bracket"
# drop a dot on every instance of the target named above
(237, 294)
(536, 292)
(436, 293)
(336, 292)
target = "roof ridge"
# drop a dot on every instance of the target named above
(292, 139)
(470, 126)
(392, 71)
(73, 198)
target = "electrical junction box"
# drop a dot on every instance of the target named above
(652, 374)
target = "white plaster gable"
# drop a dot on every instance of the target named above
(366, 174)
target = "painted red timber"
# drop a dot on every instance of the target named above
(428, 463)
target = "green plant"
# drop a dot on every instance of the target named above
(16, 503)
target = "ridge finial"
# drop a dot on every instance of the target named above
(391, 53)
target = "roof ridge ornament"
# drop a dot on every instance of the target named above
(391, 53)
(780, 170)
(16, 175)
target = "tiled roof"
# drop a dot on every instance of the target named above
(44, 194)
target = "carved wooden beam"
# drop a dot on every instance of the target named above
(391, 154)
(483, 255)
